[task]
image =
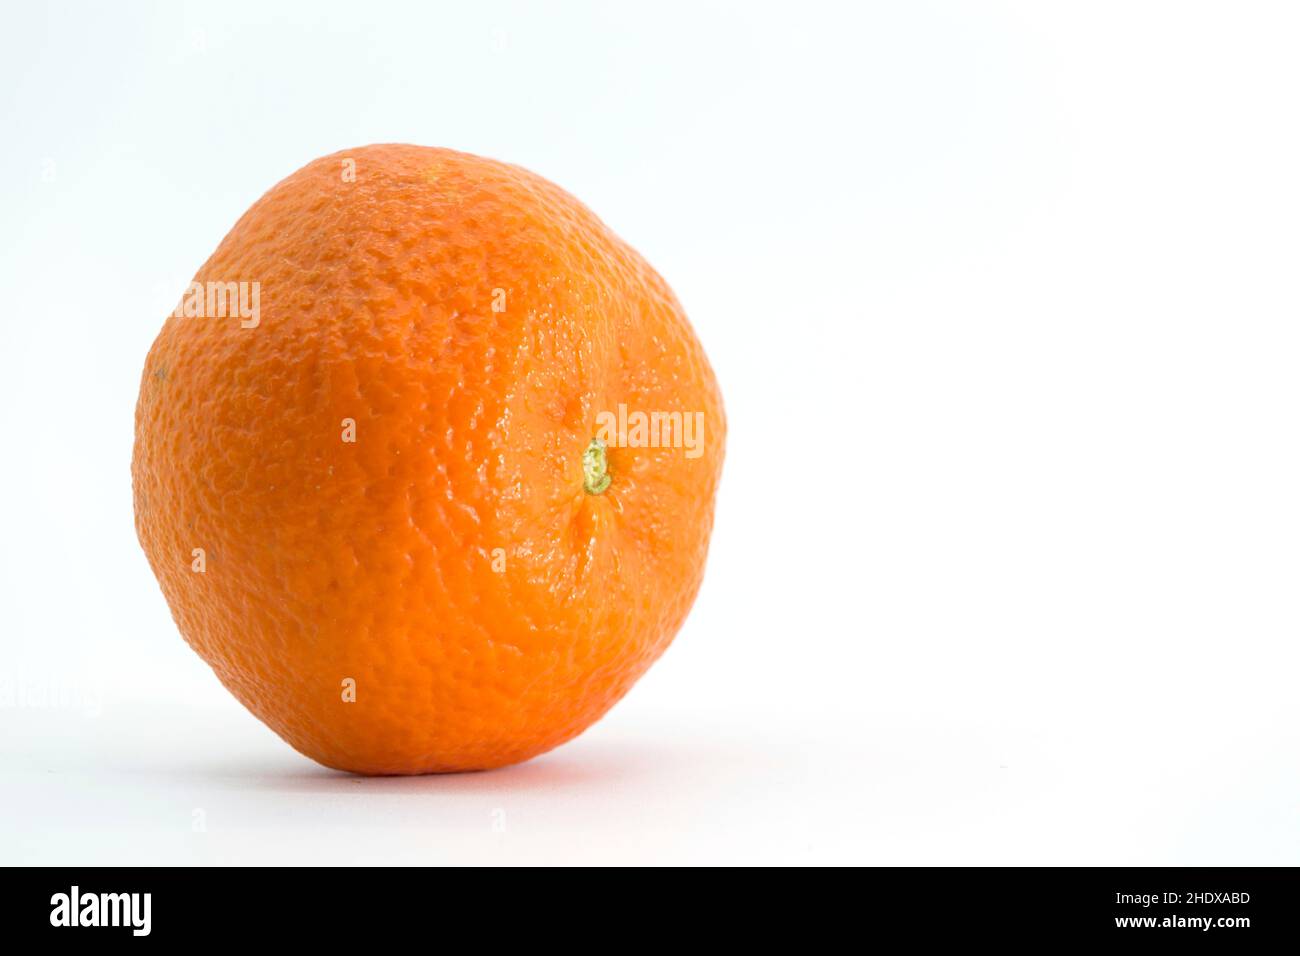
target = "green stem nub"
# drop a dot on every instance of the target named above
(595, 476)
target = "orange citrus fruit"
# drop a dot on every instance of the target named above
(425, 462)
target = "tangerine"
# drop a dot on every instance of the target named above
(381, 511)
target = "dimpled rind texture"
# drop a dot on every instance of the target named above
(446, 569)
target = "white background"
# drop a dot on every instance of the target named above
(1003, 299)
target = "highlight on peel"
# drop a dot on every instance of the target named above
(425, 462)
